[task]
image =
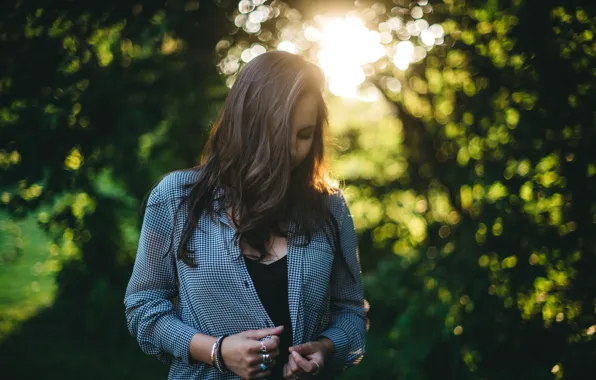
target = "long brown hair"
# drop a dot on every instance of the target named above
(247, 158)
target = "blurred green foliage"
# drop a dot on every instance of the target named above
(25, 282)
(97, 101)
(471, 183)
(493, 219)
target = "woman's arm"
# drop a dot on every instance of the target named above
(150, 313)
(200, 348)
(347, 326)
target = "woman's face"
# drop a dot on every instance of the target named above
(304, 122)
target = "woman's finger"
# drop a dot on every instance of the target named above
(274, 354)
(285, 371)
(261, 374)
(295, 368)
(271, 344)
(304, 364)
(293, 365)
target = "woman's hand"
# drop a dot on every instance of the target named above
(242, 352)
(304, 356)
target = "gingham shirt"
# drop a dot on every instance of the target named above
(218, 297)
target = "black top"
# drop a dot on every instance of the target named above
(271, 283)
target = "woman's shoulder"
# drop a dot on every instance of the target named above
(177, 184)
(337, 203)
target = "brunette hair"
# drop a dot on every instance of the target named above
(245, 164)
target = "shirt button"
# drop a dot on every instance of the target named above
(246, 283)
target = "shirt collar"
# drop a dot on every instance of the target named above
(219, 210)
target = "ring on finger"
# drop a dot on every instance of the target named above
(263, 347)
(316, 371)
(267, 359)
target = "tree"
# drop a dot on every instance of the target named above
(486, 202)
(98, 101)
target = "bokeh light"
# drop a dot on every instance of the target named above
(346, 45)
(352, 52)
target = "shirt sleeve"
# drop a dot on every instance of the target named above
(150, 313)
(347, 327)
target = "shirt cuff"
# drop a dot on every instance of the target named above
(341, 342)
(177, 339)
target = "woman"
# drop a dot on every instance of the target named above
(247, 265)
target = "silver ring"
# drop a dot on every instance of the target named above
(267, 359)
(318, 370)
(263, 347)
